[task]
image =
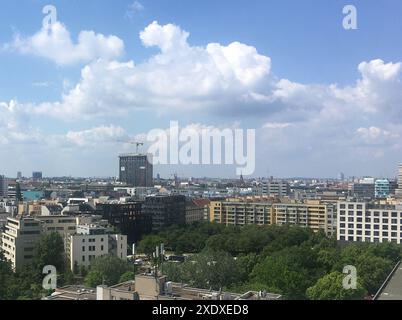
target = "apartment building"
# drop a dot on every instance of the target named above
(368, 222)
(90, 242)
(240, 213)
(19, 240)
(63, 225)
(314, 215)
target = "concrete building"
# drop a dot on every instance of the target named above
(238, 213)
(3, 187)
(398, 191)
(165, 210)
(314, 215)
(364, 189)
(90, 242)
(136, 170)
(382, 189)
(366, 222)
(150, 287)
(63, 225)
(19, 240)
(272, 188)
(195, 210)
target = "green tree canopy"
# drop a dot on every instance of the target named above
(330, 287)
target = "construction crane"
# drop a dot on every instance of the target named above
(136, 143)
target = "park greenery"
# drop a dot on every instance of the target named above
(287, 260)
(292, 261)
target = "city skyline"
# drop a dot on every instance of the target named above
(322, 99)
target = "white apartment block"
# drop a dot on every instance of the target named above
(364, 222)
(90, 242)
(19, 240)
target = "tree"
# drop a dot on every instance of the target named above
(149, 243)
(50, 251)
(288, 272)
(216, 270)
(128, 276)
(330, 287)
(111, 268)
(93, 279)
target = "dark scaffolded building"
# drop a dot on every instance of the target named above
(165, 210)
(136, 170)
(129, 218)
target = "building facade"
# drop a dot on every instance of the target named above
(166, 210)
(19, 240)
(136, 170)
(365, 222)
(382, 189)
(240, 213)
(91, 242)
(129, 218)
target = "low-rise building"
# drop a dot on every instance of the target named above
(90, 242)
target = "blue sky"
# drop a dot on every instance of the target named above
(318, 114)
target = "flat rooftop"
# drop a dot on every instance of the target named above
(393, 289)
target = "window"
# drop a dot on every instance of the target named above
(83, 249)
(385, 234)
(376, 233)
(351, 206)
(102, 248)
(342, 219)
(376, 227)
(83, 258)
(385, 214)
(394, 221)
(368, 233)
(385, 220)
(350, 225)
(342, 206)
(385, 227)
(350, 219)
(359, 220)
(359, 206)
(359, 226)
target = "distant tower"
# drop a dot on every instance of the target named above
(242, 179)
(398, 192)
(136, 170)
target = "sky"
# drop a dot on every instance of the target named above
(321, 99)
